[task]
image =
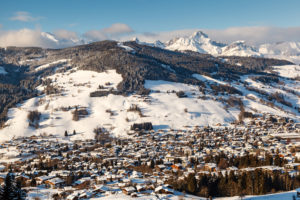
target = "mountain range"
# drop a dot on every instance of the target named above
(200, 42)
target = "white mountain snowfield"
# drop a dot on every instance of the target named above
(200, 42)
(282, 50)
(239, 48)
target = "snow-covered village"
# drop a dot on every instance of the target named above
(156, 164)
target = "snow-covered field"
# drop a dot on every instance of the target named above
(288, 71)
(279, 196)
(46, 194)
(163, 109)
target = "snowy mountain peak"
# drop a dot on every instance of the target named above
(57, 42)
(241, 42)
(49, 36)
(135, 39)
(198, 35)
(240, 48)
(198, 41)
(159, 44)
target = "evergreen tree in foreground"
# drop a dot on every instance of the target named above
(11, 190)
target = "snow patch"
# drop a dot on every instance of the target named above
(168, 67)
(288, 71)
(127, 48)
(52, 63)
(208, 79)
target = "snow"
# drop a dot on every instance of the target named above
(198, 42)
(276, 196)
(2, 71)
(208, 79)
(46, 194)
(167, 67)
(164, 110)
(120, 196)
(252, 102)
(56, 121)
(50, 36)
(288, 71)
(51, 64)
(41, 193)
(127, 48)
(282, 50)
(239, 48)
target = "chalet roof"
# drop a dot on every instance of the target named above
(82, 180)
(56, 181)
(129, 189)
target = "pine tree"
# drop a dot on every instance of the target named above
(191, 184)
(8, 188)
(66, 133)
(33, 182)
(152, 164)
(11, 190)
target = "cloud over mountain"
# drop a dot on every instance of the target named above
(112, 32)
(25, 37)
(254, 36)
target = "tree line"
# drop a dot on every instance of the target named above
(255, 182)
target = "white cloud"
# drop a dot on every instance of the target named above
(25, 38)
(252, 35)
(65, 34)
(256, 35)
(162, 36)
(23, 16)
(112, 32)
(117, 28)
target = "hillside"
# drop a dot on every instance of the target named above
(117, 85)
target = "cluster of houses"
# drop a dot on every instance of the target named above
(143, 163)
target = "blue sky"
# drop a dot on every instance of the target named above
(150, 15)
(256, 21)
